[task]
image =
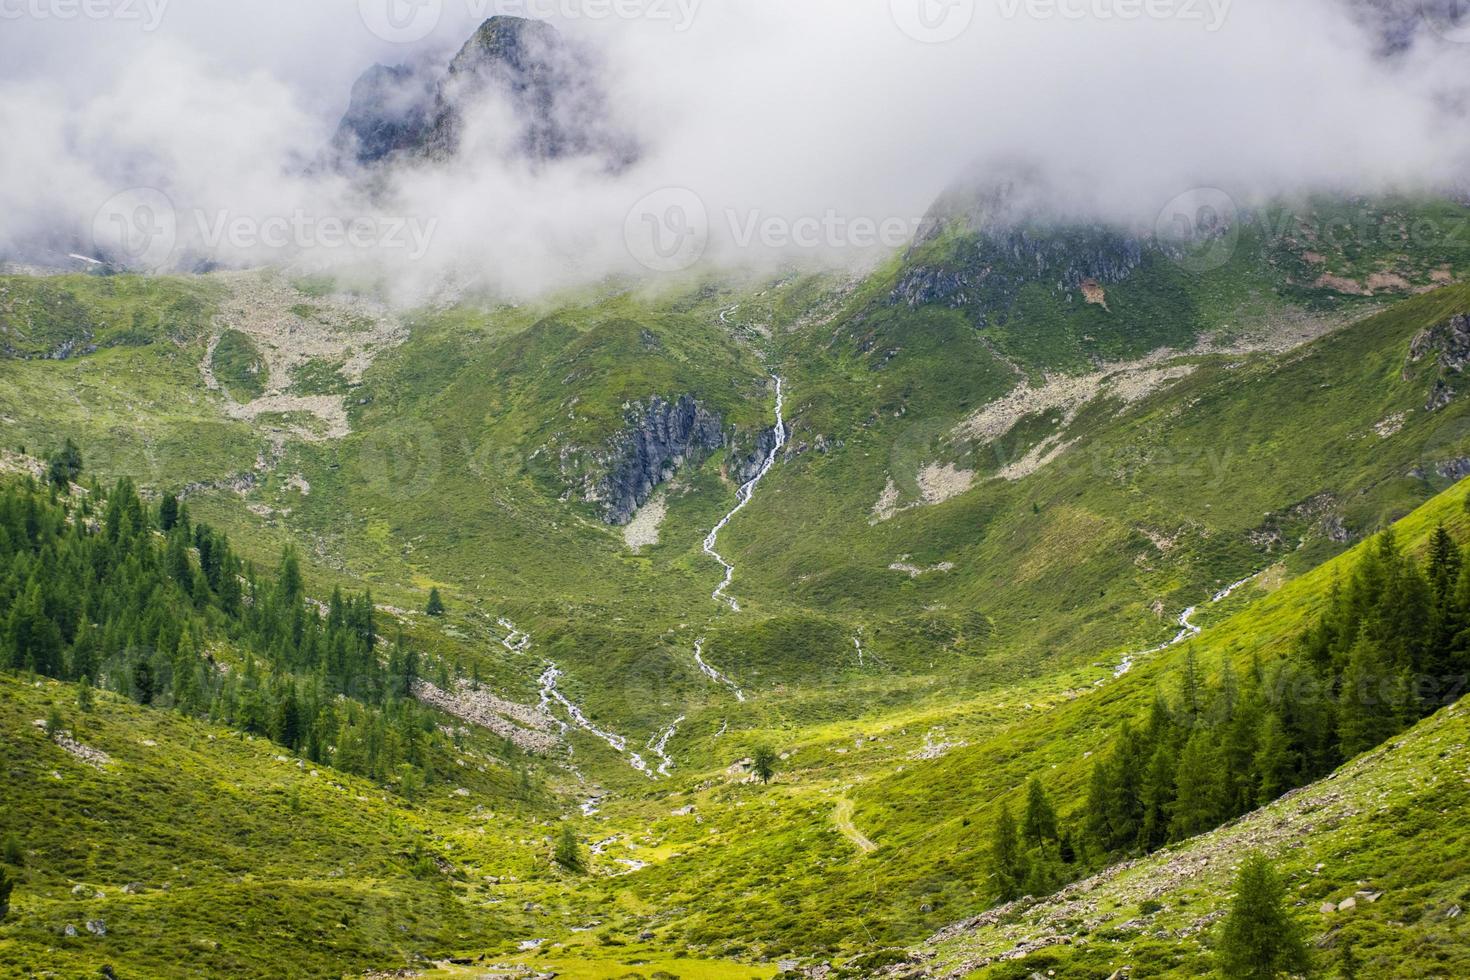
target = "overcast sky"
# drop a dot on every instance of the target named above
(767, 116)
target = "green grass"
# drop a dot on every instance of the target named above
(467, 439)
(238, 366)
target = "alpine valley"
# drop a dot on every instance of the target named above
(1001, 606)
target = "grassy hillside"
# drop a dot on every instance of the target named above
(1372, 865)
(973, 525)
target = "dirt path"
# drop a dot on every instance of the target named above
(842, 817)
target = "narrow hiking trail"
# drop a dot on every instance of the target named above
(742, 497)
(842, 817)
(1187, 628)
(715, 675)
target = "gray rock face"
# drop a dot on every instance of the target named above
(391, 110)
(1448, 346)
(1397, 25)
(1009, 233)
(660, 438)
(745, 468)
(1449, 340)
(988, 270)
(557, 107)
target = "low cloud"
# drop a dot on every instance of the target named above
(770, 131)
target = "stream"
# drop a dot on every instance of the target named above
(742, 497)
(1187, 628)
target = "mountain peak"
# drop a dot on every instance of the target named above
(557, 106)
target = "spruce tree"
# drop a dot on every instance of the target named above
(763, 763)
(65, 465)
(436, 604)
(568, 851)
(7, 885)
(1158, 797)
(1366, 714)
(1259, 940)
(1275, 762)
(85, 698)
(1198, 788)
(1005, 856)
(168, 513)
(1039, 822)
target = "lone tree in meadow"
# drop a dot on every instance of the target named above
(568, 851)
(1260, 940)
(436, 604)
(763, 763)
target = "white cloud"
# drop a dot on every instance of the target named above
(781, 112)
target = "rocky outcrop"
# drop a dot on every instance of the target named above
(743, 469)
(391, 111)
(661, 436)
(1007, 233)
(1448, 345)
(1396, 26)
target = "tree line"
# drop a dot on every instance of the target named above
(107, 590)
(1391, 647)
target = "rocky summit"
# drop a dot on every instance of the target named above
(553, 106)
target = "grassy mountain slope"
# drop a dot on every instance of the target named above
(913, 662)
(1372, 863)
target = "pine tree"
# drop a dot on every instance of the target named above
(1158, 797)
(65, 465)
(1444, 563)
(1198, 788)
(436, 605)
(85, 698)
(1259, 940)
(1275, 762)
(1189, 690)
(1005, 855)
(7, 885)
(763, 763)
(568, 850)
(1095, 816)
(143, 682)
(1366, 714)
(1039, 822)
(168, 513)
(1066, 851)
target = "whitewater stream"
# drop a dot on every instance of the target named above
(1187, 628)
(715, 675)
(742, 497)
